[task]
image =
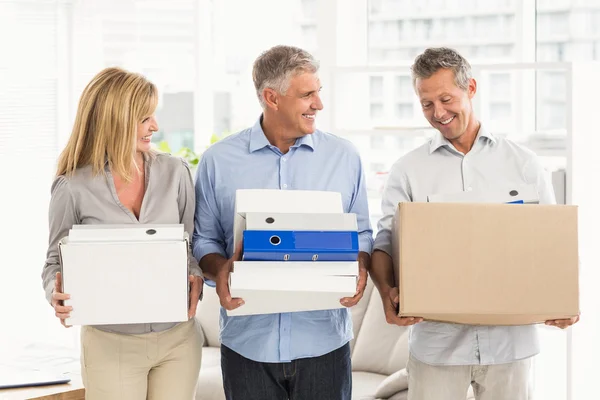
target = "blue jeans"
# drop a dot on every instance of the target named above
(328, 377)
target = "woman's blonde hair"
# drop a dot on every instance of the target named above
(105, 129)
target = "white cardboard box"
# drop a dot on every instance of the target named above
(125, 274)
(125, 233)
(280, 286)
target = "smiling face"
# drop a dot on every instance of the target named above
(297, 109)
(446, 106)
(145, 129)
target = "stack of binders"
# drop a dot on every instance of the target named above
(295, 261)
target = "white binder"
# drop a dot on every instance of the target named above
(528, 194)
(301, 222)
(281, 201)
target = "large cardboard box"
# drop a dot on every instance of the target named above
(125, 274)
(491, 264)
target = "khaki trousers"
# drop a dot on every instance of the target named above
(154, 366)
(490, 382)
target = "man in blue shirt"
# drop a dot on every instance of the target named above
(302, 355)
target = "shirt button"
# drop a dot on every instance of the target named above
(285, 185)
(283, 159)
(470, 189)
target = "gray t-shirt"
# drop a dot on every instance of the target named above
(87, 199)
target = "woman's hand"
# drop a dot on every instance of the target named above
(196, 286)
(58, 297)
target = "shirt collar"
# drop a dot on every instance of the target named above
(439, 140)
(258, 140)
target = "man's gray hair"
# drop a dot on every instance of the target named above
(274, 68)
(435, 58)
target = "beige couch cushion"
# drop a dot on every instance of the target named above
(359, 310)
(364, 385)
(399, 396)
(397, 382)
(210, 382)
(380, 347)
(208, 315)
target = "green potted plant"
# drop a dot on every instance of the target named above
(185, 152)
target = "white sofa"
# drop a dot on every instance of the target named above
(379, 351)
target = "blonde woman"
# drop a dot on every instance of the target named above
(108, 174)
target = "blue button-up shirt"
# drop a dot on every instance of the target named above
(246, 160)
(438, 168)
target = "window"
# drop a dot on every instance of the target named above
(403, 85)
(488, 26)
(500, 86)
(378, 143)
(377, 111)
(376, 87)
(552, 24)
(309, 9)
(31, 102)
(119, 36)
(404, 111)
(564, 33)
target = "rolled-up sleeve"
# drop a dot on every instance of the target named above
(397, 190)
(186, 200)
(360, 207)
(209, 236)
(62, 215)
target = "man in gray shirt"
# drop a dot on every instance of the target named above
(445, 359)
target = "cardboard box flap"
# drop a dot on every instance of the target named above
(486, 259)
(282, 201)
